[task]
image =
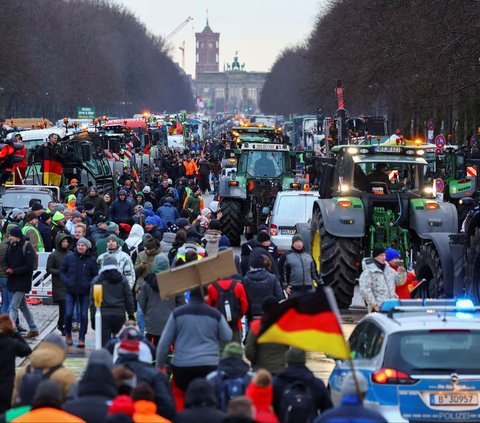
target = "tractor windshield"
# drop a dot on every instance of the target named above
(270, 164)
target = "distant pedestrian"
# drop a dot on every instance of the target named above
(378, 280)
(19, 262)
(351, 407)
(125, 265)
(117, 301)
(260, 391)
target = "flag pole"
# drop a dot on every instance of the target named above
(333, 305)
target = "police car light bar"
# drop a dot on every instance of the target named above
(415, 305)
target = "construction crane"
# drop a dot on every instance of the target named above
(178, 28)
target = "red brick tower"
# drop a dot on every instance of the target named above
(207, 50)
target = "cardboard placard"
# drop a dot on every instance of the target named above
(194, 274)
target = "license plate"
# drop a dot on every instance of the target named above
(287, 231)
(454, 399)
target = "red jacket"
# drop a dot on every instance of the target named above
(403, 291)
(262, 400)
(146, 412)
(239, 292)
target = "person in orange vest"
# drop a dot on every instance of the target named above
(403, 291)
(191, 169)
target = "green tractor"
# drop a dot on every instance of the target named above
(373, 195)
(264, 167)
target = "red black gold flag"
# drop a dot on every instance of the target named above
(52, 172)
(308, 322)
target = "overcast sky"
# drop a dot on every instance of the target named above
(258, 29)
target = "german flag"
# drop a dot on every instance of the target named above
(52, 172)
(308, 322)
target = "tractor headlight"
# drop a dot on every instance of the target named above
(344, 188)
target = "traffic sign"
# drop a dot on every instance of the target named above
(86, 112)
(440, 185)
(440, 141)
(438, 151)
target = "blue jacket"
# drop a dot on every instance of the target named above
(168, 213)
(350, 410)
(121, 211)
(77, 272)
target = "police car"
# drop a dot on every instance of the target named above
(421, 359)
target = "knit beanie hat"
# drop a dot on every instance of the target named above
(112, 227)
(182, 222)
(122, 404)
(148, 205)
(16, 231)
(233, 349)
(71, 197)
(150, 220)
(377, 251)
(37, 206)
(129, 346)
(257, 262)
(149, 242)
(55, 339)
(58, 216)
(263, 236)
(296, 237)
(296, 356)
(109, 263)
(392, 254)
(206, 212)
(112, 237)
(16, 212)
(160, 263)
(85, 242)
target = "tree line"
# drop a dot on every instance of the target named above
(408, 60)
(56, 55)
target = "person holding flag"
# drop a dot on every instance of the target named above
(51, 156)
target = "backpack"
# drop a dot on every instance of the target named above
(230, 388)
(33, 376)
(227, 303)
(297, 404)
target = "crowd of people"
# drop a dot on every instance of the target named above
(188, 358)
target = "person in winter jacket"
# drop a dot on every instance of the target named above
(30, 231)
(139, 199)
(134, 238)
(12, 345)
(149, 196)
(268, 356)
(128, 356)
(297, 371)
(63, 244)
(260, 391)
(145, 407)
(125, 265)
(77, 272)
(195, 330)
(351, 407)
(194, 203)
(96, 200)
(168, 213)
(255, 246)
(260, 284)
(122, 209)
(168, 240)
(403, 291)
(153, 226)
(239, 292)
(145, 259)
(47, 404)
(19, 262)
(156, 310)
(378, 280)
(95, 390)
(201, 404)
(58, 226)
(297, 269)
(117, 298)
(49, 355)
(230, 367)
(44, 227)
(211, 238)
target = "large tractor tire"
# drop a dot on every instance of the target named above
(338, 259)
(428, 267)
(232, 225)
(473, 266)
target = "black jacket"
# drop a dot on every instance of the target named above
(54, 262)
(117, 295)
(46, 233)
(299, 372)
(11, 346)
(252, 245)
(260, 284)
(96, 389)
(200, 404)
(158, 381)
(77, 272)
(22, 265)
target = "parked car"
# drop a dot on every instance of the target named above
(289, 209)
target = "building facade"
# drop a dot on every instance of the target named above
(233, 90)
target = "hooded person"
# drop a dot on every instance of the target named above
(135, 237)
(139, 199)
(49, 356)
(121, 210)
(232, 371)
(72, 202)
(47, 406)
(169, 238)
(155, 310)
(95, 390)
(63, 245)
(260, 391)
(211, 238)
(58, 225)
(125, 265)
(12, 345)
(168, 212)
(201, 404)
(117, 300)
